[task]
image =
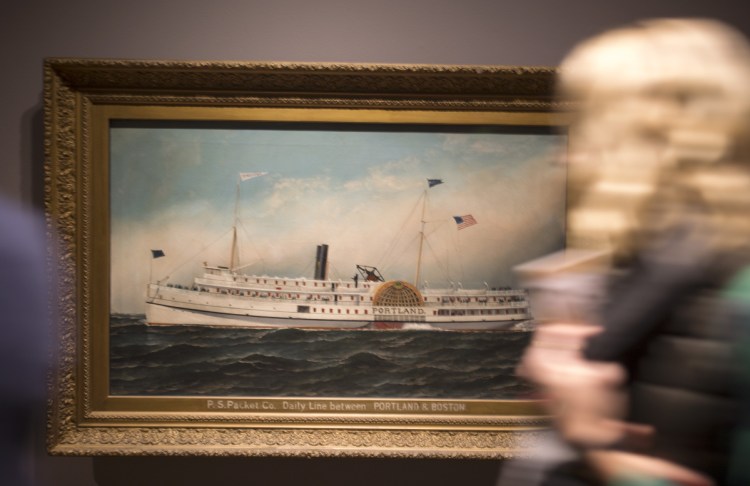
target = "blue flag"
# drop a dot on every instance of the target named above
(157, 253)
(434, 182)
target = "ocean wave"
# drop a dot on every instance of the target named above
(419, 326)
(367, 360)
(203, 361)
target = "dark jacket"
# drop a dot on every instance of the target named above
(667, 321)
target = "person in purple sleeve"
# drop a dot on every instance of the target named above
(24, 307)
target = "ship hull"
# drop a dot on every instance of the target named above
(230, 300)
(165, 315)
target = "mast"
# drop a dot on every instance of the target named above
(234, 255)
(430, 183)
(421, 240)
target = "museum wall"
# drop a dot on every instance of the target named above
(496, 32)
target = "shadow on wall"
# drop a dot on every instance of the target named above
(32, 154)
(186, 471)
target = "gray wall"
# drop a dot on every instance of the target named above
(527, 32)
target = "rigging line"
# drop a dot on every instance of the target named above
(247, 238)
(457, 246)
(310, 266)
(392, 245)
(333, 270)
(190, 258)
(407, 247)
(445, 269)
(260, 259)
(438, 223)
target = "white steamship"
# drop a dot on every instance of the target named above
(224, 296)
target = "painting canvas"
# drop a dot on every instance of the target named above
(437, 207)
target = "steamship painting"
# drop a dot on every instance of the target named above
(331, 227)
(224, 296)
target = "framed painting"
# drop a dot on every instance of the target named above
(297, 259)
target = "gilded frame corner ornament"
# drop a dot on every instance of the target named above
(79, 97)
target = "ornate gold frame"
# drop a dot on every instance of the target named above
(81, 96)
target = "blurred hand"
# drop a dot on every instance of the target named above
(585, 397)
(624, 465)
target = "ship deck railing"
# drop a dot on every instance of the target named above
(283, 296)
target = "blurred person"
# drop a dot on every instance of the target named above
(23, 345)
(641, 360)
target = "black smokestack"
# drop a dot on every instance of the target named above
(321, 262)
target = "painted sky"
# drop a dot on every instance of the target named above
(357, 191)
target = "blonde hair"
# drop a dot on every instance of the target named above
(661, 133)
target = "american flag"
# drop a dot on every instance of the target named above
(465, 221)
